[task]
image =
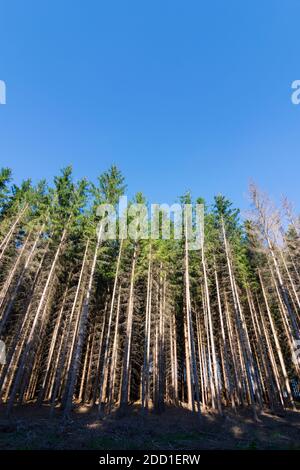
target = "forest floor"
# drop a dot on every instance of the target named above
(177, 428)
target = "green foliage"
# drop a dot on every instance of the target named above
(5, 178)
(110, 187)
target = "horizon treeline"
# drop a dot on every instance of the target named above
(112, 322)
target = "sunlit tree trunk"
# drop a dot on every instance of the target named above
(128, 338)
(76, 353)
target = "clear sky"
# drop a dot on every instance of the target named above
(179, 94)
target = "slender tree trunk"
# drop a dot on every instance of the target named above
(277, 344)
(145, 371)
(102, 384)
(128, 338)
(76, 354)
(8, 237)
(40, 312)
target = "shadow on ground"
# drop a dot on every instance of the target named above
(176, 429)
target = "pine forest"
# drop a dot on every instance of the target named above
(111, 323)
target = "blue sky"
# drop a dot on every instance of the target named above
(179, 94)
